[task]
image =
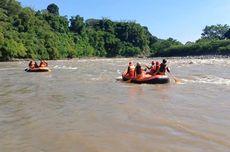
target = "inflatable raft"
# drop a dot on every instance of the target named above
(39, 69)
(146, 78)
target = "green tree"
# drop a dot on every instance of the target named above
(53, 9)
(77, 24)
(106, 25)
(160, 47)
(227, 34)
(12, 7)
(12, 49)
(58, 23)
(96, 40)
(215, 32)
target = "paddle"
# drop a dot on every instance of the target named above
(178, 81)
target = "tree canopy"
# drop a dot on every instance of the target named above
(53, 8)
(44, 34)
(215, 32)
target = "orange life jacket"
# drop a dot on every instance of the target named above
(152, 70)
(131, 71)
(43, 64)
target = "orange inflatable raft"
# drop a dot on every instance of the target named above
(39, 69)
(146, 78)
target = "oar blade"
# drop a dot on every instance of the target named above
(178, 81)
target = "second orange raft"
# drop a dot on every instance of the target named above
(39, 69)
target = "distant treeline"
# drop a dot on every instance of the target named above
(44, 34)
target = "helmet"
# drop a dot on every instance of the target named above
(153, 62)
(164, 61)
(157, 63)
(130, 63)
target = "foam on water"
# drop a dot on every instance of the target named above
(205, 61)
(65, 67)
(208, 79)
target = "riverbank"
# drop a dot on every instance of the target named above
(90, 58)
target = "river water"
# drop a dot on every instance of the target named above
(80, 106)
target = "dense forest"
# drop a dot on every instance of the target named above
(44, 34)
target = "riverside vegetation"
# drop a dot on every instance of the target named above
(44, 34)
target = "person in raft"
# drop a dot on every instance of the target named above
(152, 68)
(33, 64)
(157, 67)
(43, 63)
(138, 70)
(130, 70)
(163, 68)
